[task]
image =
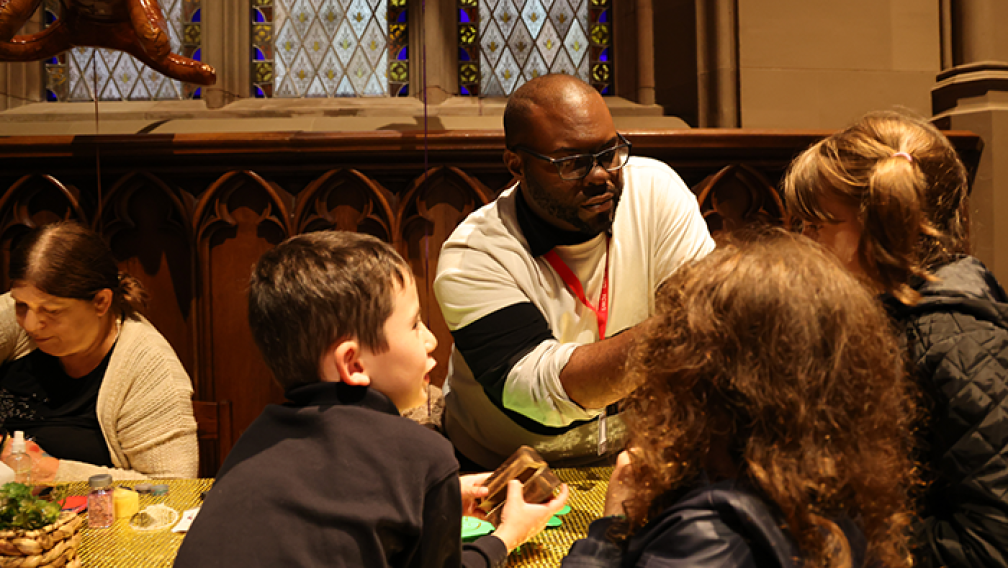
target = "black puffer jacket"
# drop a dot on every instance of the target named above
(717, 526)
(957, 336)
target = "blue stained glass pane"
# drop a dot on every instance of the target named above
(403, 54)
(54, 61)
(50, 96)
(49, 17)
(604, 17)
(465, 91)
(259, 55)
(604, 56)
(196, 94)
(257, 15)
(463, 17)
(402, 17)
(463, 55)
(198, 55)
(605, 91)
(259, 94)
(196, 16)
(404, 91)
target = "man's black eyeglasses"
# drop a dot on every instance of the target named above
(578, 166)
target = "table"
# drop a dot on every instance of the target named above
(120, 546)
(587, 498)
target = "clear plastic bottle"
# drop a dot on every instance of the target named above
(101, 504)
(19, 460)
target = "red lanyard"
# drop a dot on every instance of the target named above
(572, 282)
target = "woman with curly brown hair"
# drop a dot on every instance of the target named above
(890, 197)
(771, 427)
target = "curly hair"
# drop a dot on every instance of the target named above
(908, 185)
(770, 348)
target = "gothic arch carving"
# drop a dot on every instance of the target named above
(30, 202)
(431, 208)
(736, 196)
(346, 200)
(149, 227)
(238, 217)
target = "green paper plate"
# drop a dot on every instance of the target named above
(473, 528)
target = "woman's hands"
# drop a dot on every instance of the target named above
(44, 466)
(521, 521)
(620, 490)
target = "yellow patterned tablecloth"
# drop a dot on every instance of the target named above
(120, 546)
(587, 498)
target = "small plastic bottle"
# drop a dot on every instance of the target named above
(101, 504)
(19, 460)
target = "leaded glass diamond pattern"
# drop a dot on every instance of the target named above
(523, 39)
(79, 73)
(331, 48)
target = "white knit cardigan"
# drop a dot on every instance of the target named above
(144, 403)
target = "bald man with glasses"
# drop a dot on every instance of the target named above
(544, 289)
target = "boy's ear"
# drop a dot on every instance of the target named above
(342, 363)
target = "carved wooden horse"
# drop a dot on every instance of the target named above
(135, 26)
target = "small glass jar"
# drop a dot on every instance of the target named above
(101, 504)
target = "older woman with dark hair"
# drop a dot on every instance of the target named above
(890, 198)
(85, 376)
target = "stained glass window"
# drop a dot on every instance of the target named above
(503, 43)
(80, 73)
(330, 48)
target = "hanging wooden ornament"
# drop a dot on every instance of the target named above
(137, 27)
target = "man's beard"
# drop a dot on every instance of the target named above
(570, 213)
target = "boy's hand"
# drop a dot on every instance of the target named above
(472, 492)
(44, 466)
(521, 521)
(620, 490)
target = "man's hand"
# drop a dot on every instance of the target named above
(44, 466)
(472, 492)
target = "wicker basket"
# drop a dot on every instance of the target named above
(52, 545)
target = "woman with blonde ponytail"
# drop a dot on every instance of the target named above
(84, 374)
(889, 197)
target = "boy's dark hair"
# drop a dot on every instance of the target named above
(315, 289)
(68, 260)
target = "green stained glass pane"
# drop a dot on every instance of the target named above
(84, 73)
(504, 43)
(330, 48)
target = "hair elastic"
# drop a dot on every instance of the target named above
(908, 157)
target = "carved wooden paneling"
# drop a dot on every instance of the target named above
(32, 201)
(432, 207)
(737, 196)
(345, 200)
(149, 228)
(190, 214)
(238, 218)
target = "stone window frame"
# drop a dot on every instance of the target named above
(228, 48)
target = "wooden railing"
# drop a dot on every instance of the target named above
(189, 214)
